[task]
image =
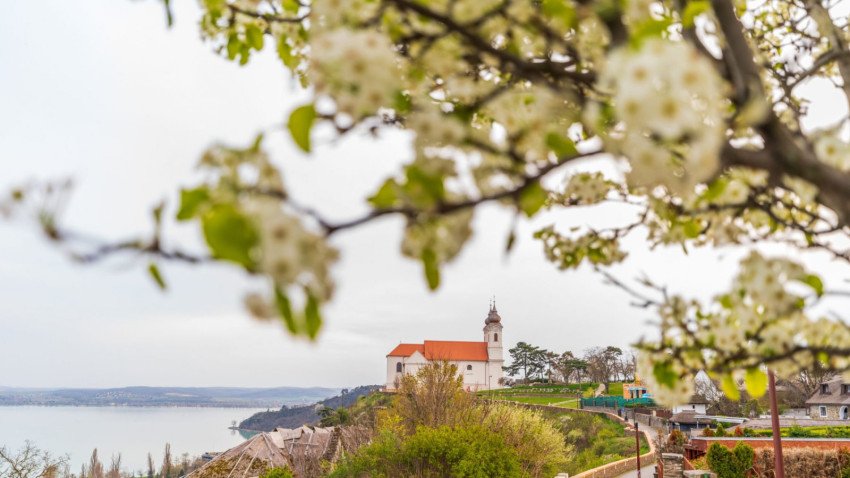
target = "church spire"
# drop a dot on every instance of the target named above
(492, 314)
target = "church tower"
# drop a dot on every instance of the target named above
(493, 337)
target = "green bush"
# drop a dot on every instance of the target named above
(472, 452)
(277, 473)
(730, 463)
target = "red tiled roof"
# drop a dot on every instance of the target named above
(444, 350)
(449, 350)
(406, 350)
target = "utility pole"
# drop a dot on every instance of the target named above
(637, 442)
(779, 465)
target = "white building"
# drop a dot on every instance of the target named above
(480, 363)
(697, 404)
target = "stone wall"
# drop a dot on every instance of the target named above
(832, 412)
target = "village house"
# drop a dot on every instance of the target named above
(831, 401)
(479, 363)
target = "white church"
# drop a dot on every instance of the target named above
(480, 363)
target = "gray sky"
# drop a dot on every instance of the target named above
(102, 92)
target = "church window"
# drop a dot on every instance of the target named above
(469, 367)
(398, 367)
(495, 337)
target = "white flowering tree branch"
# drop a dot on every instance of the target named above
(698, 103)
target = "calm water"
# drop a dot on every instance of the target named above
(132, 431)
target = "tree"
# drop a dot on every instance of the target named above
(95, 466)
(568, 366)
(526, 360)
(167, 469)
(699, 101)
(151, 467)
(114, 467)
(603, 364)
(31, 462)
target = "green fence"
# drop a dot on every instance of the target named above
(616, 402)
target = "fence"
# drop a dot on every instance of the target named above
(616, 402)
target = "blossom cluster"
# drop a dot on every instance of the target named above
(671, 103)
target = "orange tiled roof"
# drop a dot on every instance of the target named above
(444, 350)
(406, 350)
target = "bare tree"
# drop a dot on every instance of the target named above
(30, 462)
(95, 466)
(603, 364)
(167, 465)
(114, 467)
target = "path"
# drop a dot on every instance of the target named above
(648, 470)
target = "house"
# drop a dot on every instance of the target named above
(635, 389)
(479, 363)
(831, 401)
(697, 404)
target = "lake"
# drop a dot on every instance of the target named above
(132, 431)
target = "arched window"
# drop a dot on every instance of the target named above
(495, 337)
(398, 367)
(469, 367)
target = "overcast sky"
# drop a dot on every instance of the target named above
(102, 92)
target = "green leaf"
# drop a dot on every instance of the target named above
(432, 268)
(532, 198)
(254, 35)
(755, 382)
(290, 6)
(312, 317)
(426, 188)
(153, 270)
(692, 10)
(284, 51)
(560, 10)
(692, 228)
(230, 235)
(815, 283)
(191, 202)
(284, 308)
(652, 28)
(664, 374)
(387, 196)
(300, 123)
(730, 387)
(233, 46)
(715, 189)
(561, 145)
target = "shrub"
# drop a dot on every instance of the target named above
(806, 462)
(471, 452)
(539, 445)
(277, 472)
(721, 431)
(707, 432)
(730, 463)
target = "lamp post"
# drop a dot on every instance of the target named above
(637, 444)
(778, 464)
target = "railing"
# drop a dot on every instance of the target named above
(616, 402)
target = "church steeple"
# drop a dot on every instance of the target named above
(493, 314)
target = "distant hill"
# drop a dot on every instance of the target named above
(295, 416)
(167, 396)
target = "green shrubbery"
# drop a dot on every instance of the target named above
(463, 452)
(434, 429)
(730, 463)
(802, 432)
(277, 473)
